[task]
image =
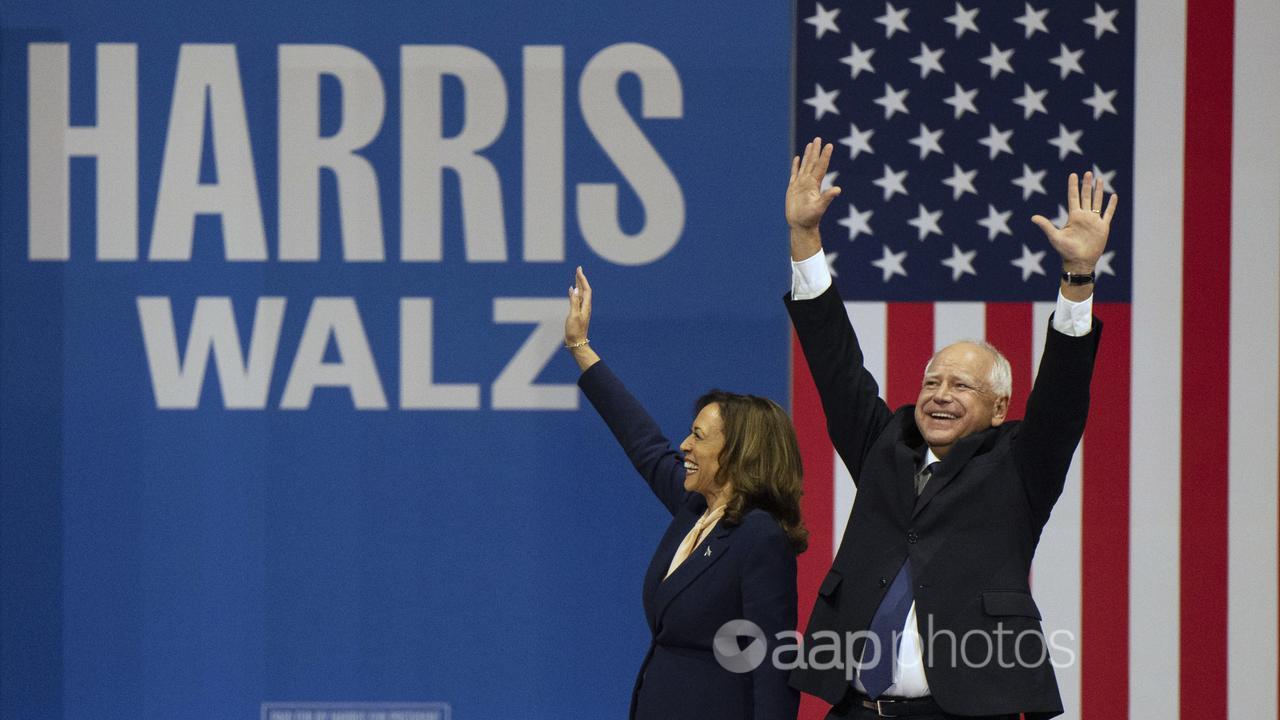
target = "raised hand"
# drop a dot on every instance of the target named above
(578, 320)
(1084, 238)
(579, 317)
(806, 201)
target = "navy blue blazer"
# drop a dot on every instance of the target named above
(746, 571)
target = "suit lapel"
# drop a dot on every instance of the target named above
(950, 467)
(904, 489)
(907, 456)
(706, 554)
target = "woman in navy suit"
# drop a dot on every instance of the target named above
(733, 490)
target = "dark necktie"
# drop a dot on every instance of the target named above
(887, 623)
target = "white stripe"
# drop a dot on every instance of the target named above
(1055, 580)
(955, 321)
(845, 492)
(1056, 572)
(870, 321)
(1040, 314)
(1255, 317)
(1157, 368)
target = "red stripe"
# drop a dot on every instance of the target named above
(1104, 536)
(1009, 328)
(818, 502)
(909, 345)
(1206, 320)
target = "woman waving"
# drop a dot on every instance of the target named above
(733, 489)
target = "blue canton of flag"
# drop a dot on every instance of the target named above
(954, 123)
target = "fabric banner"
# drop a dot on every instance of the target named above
(286, 421)
(953, 124)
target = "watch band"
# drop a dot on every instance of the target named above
(1074, 279)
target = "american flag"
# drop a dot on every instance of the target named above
(954, 122)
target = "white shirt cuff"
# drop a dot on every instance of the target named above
(810, 277)
(1073, 318)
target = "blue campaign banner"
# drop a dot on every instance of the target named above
(285, 422)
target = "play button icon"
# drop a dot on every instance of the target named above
(740, 646)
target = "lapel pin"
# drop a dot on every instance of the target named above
(708, 552)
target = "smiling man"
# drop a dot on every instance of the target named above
(930, 584)
(966, 388)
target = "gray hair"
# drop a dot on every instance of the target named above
(1000, 379)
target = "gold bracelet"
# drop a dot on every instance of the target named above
(576, 345)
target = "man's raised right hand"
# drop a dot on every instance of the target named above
(806, 200)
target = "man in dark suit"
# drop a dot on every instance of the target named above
(930, 588)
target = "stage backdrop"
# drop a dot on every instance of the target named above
(285, 430)
(285, 414)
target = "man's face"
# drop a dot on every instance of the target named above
(956, 397)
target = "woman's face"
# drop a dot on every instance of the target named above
(702, 451)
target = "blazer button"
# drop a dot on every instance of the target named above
(883, 582)
(912, 537)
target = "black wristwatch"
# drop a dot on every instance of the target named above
(1074, 279)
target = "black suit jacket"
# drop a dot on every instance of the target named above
(747, 571)
(970, 535)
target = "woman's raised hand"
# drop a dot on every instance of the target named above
(578, 320)
(575, 325)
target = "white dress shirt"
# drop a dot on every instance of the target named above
(810, 278)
